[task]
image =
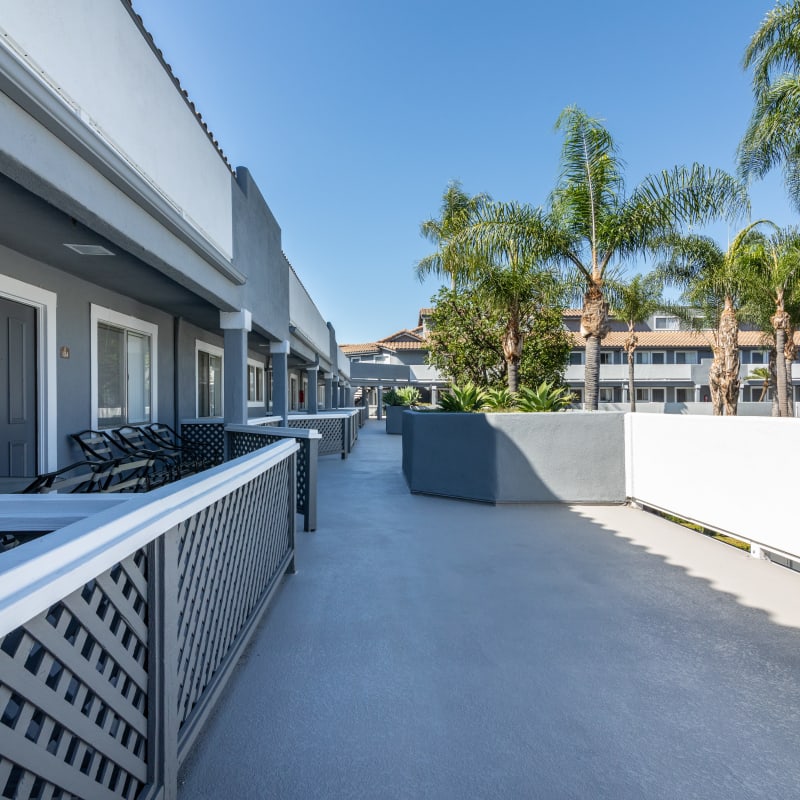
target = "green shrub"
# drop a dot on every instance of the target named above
(546, 397)
(408, 396)
(499, 399)
(391, 397)
(463, 398)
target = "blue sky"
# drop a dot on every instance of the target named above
(352, 116)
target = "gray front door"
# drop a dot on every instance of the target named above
(17, 389)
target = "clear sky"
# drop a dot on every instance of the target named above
(353, 115)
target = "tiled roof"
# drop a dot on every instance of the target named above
(354, 349)
(398, 335)
(404, 345)
(685, 339)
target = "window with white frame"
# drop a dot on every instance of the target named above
(606, 357)
(759, 357)
(667, 323)
(650, 357)
(577, 395)
(123, 369)
(642, 395)
(208, 362)
(255, 383)
(684, 395)
(576, 357)
(606, 394)
(686, 357)
(658, 395)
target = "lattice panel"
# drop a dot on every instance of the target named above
(228, 557)
(208, 436)
(332, 430)
(241, 443)
(73, 693)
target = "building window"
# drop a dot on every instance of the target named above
(684, 395)
(209, 380)
(666, 323)
(658, 395)
(606, 394)
(759, 357)
(651, 357)
(643, 395)
(576, 357)
(606, 357)
(255, 383)
(123, 369)
(577, 395)
(686, 357)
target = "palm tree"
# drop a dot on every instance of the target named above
(774, 264)
(763, 374)
(772, 137)
(457, 211)
(714, 285)
(592, 224)
(511, 278)
(633, 302)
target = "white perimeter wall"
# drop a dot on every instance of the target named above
(94, 55)
(732, 474)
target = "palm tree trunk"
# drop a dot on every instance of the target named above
(630, 349)
(779, 321)
(512, 351)
(715, 385)
(729, 346)
(591, 377)
(772, 384)
(594, 327)
(512, 367)
(789, 354)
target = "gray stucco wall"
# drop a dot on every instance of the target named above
(257, 253)
(516, 458)
(73, 330)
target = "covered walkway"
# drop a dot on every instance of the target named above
(430, 648)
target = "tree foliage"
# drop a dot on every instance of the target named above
(466, 341)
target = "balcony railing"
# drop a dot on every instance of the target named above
(119, 631)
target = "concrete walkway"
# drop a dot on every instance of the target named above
(431, 648)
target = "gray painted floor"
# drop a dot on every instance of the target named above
(431, 648)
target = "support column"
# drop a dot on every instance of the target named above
(348, 397)
(328, 393)
(342, 396)
(335, 394)
(697, 393)
(280, 379)
(434, 395)
(312, 374)
(380, 402)
(235, 325)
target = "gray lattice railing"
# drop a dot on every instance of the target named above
(207, 435)
(338, 428)
(242, 439)
(119, 631)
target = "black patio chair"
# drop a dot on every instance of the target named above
(129, 471)
(83, 476)
(191, 454)
(133, 442)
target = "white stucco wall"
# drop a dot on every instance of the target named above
(92, 53)
(305, 316)
(732, 474)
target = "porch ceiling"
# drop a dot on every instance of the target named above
(39, 230)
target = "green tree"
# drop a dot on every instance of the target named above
(715, 284)
(774, 264)
(772, 138)
(592, 224)
(466, 341)
(633, 301)
(458, 210)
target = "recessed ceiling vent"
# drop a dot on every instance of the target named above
(89, 249)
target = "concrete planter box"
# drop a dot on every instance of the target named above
(394, 419)
(516, 458)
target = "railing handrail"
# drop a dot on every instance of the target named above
(40, 573)
(297, 433)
